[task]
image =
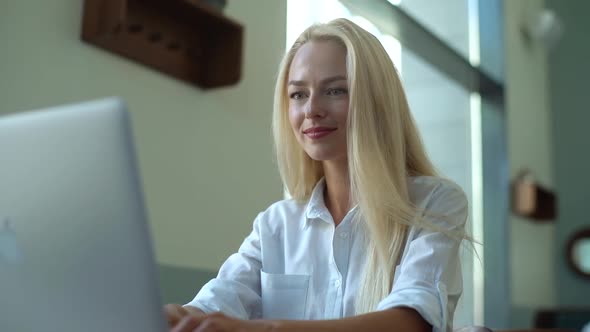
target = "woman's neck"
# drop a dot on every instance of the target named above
(337, 193)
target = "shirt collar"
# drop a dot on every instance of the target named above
(316, 207)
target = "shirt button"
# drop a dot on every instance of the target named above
(343, 235)
(337, 283)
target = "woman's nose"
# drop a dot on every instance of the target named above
(314, 108)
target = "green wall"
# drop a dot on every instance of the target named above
(528, 115)
(569, 70)
(180, 284)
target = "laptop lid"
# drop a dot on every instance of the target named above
(75, 251)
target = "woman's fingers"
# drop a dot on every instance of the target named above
(174, 313)
(190, 319)
(194, 311)
(188, 323)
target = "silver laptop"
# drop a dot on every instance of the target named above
(75, 251)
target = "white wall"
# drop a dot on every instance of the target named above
(205, 156)
(528, 110)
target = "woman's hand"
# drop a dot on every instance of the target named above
(218, 322)
(175, 312)
(395, 319)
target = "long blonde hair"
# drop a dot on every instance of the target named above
(384, 148)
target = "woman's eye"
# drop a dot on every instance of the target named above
(296, 95)
(336, 92)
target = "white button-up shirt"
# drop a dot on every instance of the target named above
(297, 265)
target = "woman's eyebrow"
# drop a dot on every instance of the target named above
(324, 81)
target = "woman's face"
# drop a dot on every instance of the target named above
(318, 99)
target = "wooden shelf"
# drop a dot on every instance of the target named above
(187, 39)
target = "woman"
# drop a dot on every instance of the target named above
(370, 240)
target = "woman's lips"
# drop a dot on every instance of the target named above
(318, 132)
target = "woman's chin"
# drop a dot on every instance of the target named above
(325, 156)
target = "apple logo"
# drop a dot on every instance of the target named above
(10, 252)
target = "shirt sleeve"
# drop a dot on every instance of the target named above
(428, 278)
(236, 289)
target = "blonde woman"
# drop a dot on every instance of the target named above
(370, 239)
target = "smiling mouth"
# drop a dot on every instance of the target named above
(318, 132)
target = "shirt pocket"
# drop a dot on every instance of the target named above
(284, 296)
